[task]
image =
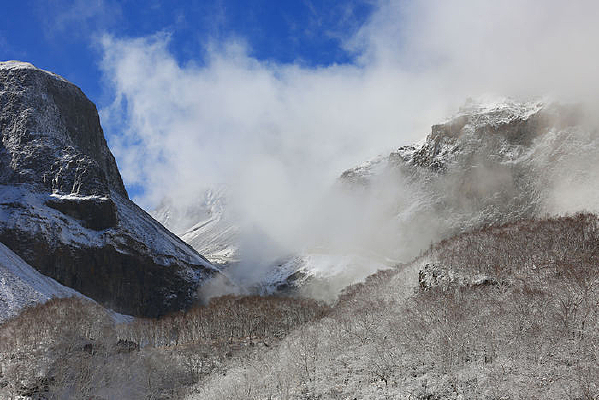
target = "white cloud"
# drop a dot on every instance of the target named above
(279, 134)
(78, 18)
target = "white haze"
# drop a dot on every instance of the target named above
(279, 134)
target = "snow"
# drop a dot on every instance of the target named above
(208, 226)
(13, 65)
(75, 197)
(505, 108)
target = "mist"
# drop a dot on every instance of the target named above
(279, 135)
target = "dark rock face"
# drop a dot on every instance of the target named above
(95, 213)
(51, 135)
(64, 208)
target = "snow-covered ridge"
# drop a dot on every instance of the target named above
(207, 226)
(503, 109)
(13, 65)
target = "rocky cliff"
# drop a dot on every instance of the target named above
(64, 208)
(489, 164)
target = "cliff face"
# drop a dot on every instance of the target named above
(64, 208)
(51, 135)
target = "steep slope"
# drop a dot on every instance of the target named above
(21, 285)
(529, 331)
(64, 208)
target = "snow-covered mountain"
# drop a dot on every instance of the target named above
(207, 225)
(64, 208)
(492, 162)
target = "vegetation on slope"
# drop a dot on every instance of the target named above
(505, 312)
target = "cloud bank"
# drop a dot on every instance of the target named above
(278, 134)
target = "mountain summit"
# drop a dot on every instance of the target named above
(64, 208)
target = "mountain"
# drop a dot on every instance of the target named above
(491, 163)
(65, 211)
(207, 225)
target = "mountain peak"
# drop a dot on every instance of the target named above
(48, 127)
(16, 65)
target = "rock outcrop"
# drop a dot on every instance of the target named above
(64, 208)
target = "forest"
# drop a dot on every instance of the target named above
(501, 312)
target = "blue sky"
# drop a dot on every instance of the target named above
(65, 36)
(62, 35)
(277, 98)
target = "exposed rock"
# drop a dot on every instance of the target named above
(434, 275)
(64, 208)
(94, 213)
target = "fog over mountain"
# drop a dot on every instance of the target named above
(417, 222)
(278, 135)
(490, 164)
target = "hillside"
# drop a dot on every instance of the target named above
(505, 312)
(512, 312)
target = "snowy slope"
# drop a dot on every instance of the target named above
(22, 286)
(207, 226)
